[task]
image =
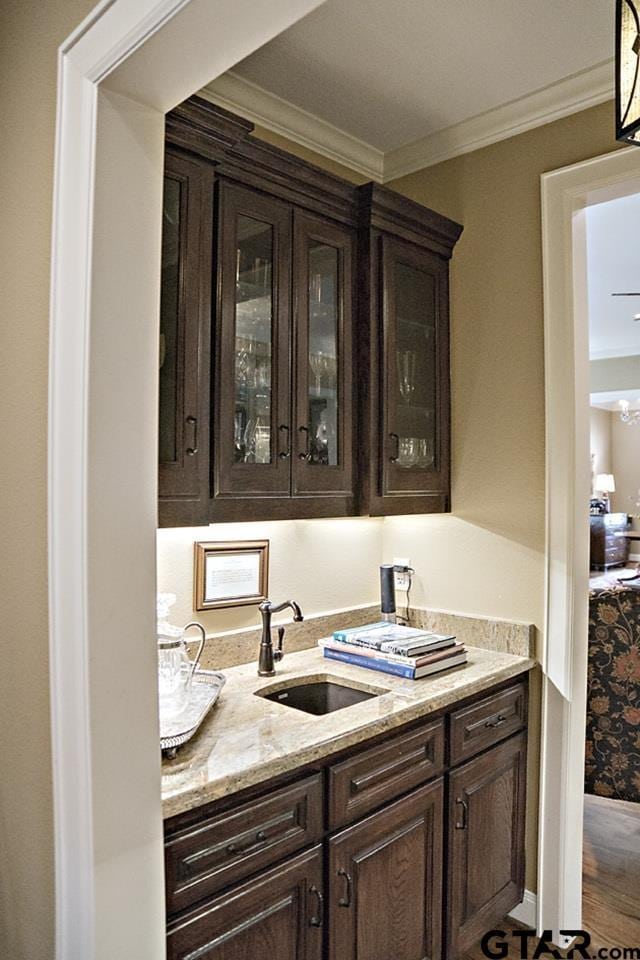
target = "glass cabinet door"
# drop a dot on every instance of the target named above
(323, 256)
(416, 371)
(184, 316)
(252, 425)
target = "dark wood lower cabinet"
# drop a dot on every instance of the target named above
(411, 871)
(385, 878)
(486, 842)
(277, 916)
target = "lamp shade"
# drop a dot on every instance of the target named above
(605, 483)
(627, 72)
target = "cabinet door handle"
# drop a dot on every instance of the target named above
(462, 824)
(346, 901)
(304, 454)
(193, 449)
(286, 453)
(233, 848)
(497, 722)
(396, 440)
(318, 919)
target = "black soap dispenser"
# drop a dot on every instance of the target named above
(387, 592)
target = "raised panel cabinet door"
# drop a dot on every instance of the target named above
(323, 257)
(486, 842)
(385, 882)
(185, 316)
(252, 396)
(414, 441)
(278, 915)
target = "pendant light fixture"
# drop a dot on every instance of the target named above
(628, 71)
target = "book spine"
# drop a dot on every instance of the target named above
(383, 666)
(359, 651)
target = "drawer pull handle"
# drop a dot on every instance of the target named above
(286, 453)
(394, 457)
(346, 901)
(318, 919)
(304, 454)
(462, 824)
(234, 848)
(491, 724)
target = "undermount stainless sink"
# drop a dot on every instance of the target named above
(318, 697)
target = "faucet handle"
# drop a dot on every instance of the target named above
(278, 653)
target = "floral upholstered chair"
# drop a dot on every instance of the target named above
(612, 764)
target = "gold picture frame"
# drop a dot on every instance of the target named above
(231, 573)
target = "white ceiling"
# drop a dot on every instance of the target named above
(392, 71)
(613, 266)
(391, 86)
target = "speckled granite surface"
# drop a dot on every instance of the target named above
(248, 740)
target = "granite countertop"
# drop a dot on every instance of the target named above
(248, 740)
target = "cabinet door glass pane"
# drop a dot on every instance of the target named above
(415, 367)
(169, 320)
(253, 338)
(323, 399)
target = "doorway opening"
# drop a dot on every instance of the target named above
(573, 200)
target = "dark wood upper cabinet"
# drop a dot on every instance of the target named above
(323, 256)
(327, 393)
(252, 379)
(185, 321)
(404, 331)
(486, 842)
(385, 880)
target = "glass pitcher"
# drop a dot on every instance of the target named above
(175, 669)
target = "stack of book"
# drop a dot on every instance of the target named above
(402, 651)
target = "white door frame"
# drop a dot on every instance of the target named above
(128, 63)
(565, 195)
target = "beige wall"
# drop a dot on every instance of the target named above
(30, 32)
(600, 440)
(625, 466)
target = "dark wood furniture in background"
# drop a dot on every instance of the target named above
(293, 868)
(305, 336)
(607, 547)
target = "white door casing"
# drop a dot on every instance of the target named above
(565, 194)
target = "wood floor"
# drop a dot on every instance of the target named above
(611, 877)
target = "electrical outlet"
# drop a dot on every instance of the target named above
(401, 576)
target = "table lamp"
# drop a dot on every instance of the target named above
(605, 484)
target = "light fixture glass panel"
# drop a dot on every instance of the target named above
(627, 72)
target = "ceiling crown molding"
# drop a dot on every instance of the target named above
(282, 117)
(578, 92)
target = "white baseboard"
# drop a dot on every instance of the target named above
(634, 557)
(526, 912)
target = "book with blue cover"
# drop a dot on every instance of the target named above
(444, 661)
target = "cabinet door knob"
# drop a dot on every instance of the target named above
(304, 454)
(193, 449)
(286, 453)
(346, 900)
(318, 919)
(462, 824)
(393, 458)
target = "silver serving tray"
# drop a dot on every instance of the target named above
(205, 690)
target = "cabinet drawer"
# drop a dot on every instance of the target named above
(382, 773)
(477, 727)
(278, 915)
(230, 846)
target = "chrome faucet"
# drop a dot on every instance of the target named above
(268, 656)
